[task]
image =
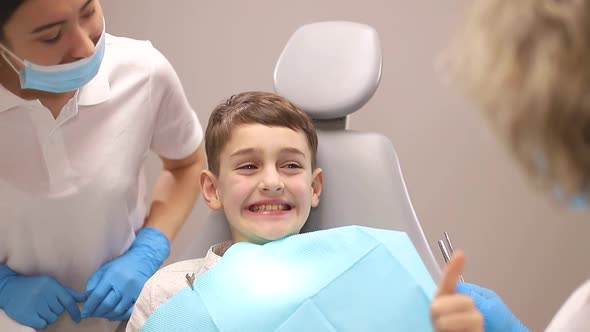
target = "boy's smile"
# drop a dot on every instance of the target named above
(266, 185)
(270, 207)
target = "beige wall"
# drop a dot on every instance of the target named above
(461, 181)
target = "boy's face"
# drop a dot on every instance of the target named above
(265, 185)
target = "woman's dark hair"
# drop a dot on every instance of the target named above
(7, 8)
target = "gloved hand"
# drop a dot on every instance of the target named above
(115, 286)
(36, 301)
(497, 316)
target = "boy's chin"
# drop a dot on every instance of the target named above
(273, 235)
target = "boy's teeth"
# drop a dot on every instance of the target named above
(269, 207)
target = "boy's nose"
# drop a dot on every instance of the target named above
(272, 187)
(271, 182)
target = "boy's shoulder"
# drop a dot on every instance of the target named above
(163, 285)
(176, 271)
(182, 266)
(169, 280)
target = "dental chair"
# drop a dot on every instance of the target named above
(330, 70)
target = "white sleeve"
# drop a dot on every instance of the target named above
(574, 315)
(163, 285)
(142, 309)
(177, 131)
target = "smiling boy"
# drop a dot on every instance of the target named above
(261, 150)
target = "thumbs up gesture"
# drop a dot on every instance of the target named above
(451, 311)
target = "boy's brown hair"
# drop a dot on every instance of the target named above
(255, 108)
(526, 63)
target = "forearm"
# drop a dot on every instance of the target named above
(174, 195)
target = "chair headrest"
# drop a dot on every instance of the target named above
(330, 69)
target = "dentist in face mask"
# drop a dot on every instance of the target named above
(79, 111)
(526, 65)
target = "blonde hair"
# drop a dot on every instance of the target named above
(253, 107)
(526, 63)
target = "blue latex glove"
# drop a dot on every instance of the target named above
(36, 301)
(114, 287)
(497, 316)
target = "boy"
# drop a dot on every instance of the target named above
(261, 151)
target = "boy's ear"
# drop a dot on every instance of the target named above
(317, 181)
(208, 183)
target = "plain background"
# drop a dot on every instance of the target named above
(517, 241)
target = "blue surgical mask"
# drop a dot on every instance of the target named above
(577, 201)
(59, 78)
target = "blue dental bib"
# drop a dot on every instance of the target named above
(343, 279)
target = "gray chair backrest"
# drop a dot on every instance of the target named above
(329, 70)
(363, 185)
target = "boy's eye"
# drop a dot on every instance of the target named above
(292, 165)
(248, 166)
